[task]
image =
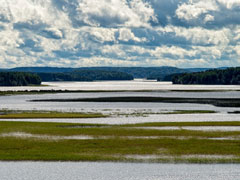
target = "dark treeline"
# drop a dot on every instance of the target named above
(230, 76)
(136, 72)
(85, 75)
(19, 79)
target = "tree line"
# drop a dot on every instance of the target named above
(229, 76)
(86, 75)
(19, 79)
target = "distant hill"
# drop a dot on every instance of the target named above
(42, 69)
(164, 73)
(197, 69)
(136, 72)
(86, 75)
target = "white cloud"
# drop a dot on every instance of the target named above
(174, 51)
(115, 13)
(126, 34)
(119, 33)
(33, 12)
(103, 34)
(193, 10)
(199, 35)
(230, 3)
(208, 18)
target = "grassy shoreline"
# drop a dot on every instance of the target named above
(13, 114)
(57, 142)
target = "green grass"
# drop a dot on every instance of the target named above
(11, 114)
(117, 144)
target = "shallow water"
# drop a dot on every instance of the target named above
(116, 171)
(22, 102)
(151, 118)
(121, 85)
(122, 112)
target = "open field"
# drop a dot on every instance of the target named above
(93, 142)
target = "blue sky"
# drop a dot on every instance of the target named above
(81, 33)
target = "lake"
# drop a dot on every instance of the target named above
(138, 84)
(116, 171)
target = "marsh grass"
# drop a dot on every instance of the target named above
(190, 112)
(117, 144)
(13, 114)
(146, 114)
(179, 124)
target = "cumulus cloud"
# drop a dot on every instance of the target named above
(184, 33)
(114, 13)
(127, 35)
(209, 13)
(193, 10)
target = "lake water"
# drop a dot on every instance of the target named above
(150, 118)
(22, 102)
(122, 85)
(116, 171)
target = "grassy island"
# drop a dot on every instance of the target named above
(22, 141)
(9, 114)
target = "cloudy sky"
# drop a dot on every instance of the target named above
(76, 33)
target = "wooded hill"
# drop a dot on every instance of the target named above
(229, 76)
(19, 79)
(85, 75)
(136, 72)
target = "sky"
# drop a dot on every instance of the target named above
(86, 33)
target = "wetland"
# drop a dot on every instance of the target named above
(134, 124)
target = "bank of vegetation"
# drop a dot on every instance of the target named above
(219, 102)
(136, 72)
(19, 79)
(14, 114)
(86, 75)
(90, 142)
(230, 76)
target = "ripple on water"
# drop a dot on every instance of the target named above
(116, 171)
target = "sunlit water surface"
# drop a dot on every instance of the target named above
(116, 171)
(138, 84)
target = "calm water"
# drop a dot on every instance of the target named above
(115, 171)
(122, 85)
(151, 118)
(22, 102)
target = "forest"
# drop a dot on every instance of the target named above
(229, 76)
(19, 79)
(85, 75)
(136, 72)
